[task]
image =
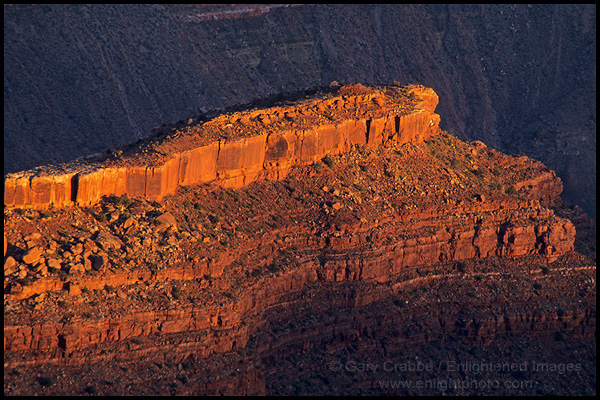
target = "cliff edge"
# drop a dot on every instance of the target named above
(233, 150)
(218, 256)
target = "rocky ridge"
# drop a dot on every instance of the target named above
(236, 149)
(417, 241)
(520, 77)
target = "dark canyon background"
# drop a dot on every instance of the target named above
(81, 79)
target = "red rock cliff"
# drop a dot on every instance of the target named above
(240, 148)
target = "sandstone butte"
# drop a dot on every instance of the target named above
(236, 149)
(258, 228)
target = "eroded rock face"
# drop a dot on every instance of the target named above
(514, 101)
(237, 162)
(397, 248)
(387, 240)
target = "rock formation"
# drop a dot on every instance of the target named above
(204, 259)
(84, 79)
(355, 117)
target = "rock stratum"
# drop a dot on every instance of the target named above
(241, 148)
(519, 77)
(257, 251)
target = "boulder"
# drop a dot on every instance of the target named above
(77, 249)
(53, 263)
(337, 206)
(87, 264)
(75, 269)
(32, 255)
(74, 289)
(10, 265)
(165, 221)
(137, 208)
(107, 241)
(130, 221)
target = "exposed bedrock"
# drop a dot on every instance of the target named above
(233, 163)
(202, 330)
(403, 247)
(87, 78)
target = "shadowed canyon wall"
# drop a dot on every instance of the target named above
(82, 79)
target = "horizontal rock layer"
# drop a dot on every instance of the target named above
(228, 163)
(219, 329)
(394, 247)
(420, 242)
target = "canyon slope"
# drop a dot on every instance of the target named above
(82, 79)
(286, 248)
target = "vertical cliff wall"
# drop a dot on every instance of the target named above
(356, 116)
(81, 79)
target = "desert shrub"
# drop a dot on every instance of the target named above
(25, 281)
(511, 190)
(327, 160)
(360, 187)
(125, 201)
(545, 270)
(274, 267)
(44, 380)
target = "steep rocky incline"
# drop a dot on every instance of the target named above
(375, 247)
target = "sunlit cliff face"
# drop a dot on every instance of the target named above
(237, 149)
(518, 77)
(437, 248)
(297, 232)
